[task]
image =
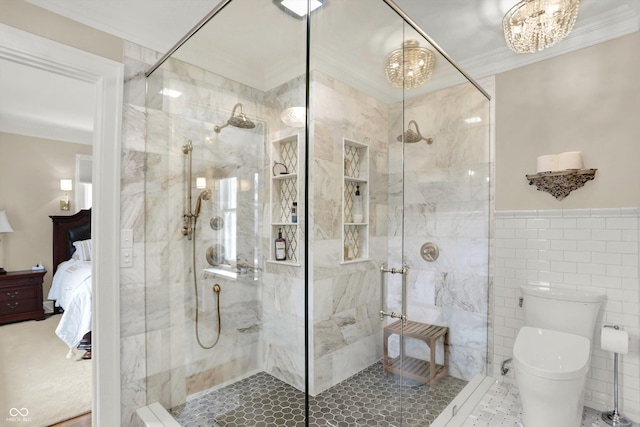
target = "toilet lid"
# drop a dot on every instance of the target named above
(551, 354)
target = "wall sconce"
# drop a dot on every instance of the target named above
(66, 185)
(5, 227)
(201, 183)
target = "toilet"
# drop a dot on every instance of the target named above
(552, 354)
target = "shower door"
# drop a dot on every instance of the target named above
(399, 320)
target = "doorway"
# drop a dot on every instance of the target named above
(107, 77)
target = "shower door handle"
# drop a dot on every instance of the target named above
(384, 270)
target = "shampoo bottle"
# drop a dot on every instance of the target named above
(358, 208)
(281, 247)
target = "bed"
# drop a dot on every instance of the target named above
(71, 284)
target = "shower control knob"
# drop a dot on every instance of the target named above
(429, 252)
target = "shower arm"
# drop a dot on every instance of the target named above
(218, 128)
(429, 140)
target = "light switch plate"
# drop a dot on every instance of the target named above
(126, 238)
(126, 257)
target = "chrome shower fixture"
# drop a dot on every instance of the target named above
(240, 121)
(411, 136)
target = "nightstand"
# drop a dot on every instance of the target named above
(21, 296)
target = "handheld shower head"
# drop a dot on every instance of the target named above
(411, 136)
(204, 195)
(240, 121)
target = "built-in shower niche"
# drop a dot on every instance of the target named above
(355, 201)
(285, 207)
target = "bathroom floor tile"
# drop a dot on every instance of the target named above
(501, 407)
(368, 398)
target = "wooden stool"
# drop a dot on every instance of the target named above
(410, 367)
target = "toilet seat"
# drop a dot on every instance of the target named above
(551, 354)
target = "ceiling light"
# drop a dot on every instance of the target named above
(475, 119)
(170, 92)
(298, 8)
(410, 66)
(534, 25)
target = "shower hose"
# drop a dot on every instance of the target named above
(216, 290)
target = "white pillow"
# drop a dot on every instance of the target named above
(83, 250)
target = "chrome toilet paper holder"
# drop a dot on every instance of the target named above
(614, 418)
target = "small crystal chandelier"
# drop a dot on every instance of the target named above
(410, 66)
(533, 25)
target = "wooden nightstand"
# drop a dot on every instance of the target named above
(21, 296)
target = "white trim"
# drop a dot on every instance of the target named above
(107, 76)
(155, 415)
(457, 412)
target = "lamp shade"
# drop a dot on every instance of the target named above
(5, 227)
(66, 184)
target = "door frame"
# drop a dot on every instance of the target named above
(107, 77)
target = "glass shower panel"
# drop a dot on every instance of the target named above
(396, 207)
(440, 175)
(231, 320)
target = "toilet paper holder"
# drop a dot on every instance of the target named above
(614, 418)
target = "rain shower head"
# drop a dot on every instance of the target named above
(240, 121)
(411, 136)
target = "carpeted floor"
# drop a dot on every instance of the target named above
(39, 386)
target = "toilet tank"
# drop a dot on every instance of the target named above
(564, 310)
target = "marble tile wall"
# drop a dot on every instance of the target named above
(283, 286)
(446, 196)
(132, 216)
(232, 161)
(346, 328)
(590, 249)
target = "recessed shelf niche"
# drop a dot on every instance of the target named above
(285, 161)
(355, 231)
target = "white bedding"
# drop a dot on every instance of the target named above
(71, 288)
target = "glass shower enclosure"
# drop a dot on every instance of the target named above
(317, 229)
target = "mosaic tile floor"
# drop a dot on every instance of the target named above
(501, 407)
(369, 398)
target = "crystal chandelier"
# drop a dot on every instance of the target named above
(533, 25)
(410, 66)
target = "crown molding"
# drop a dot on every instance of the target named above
(616, 23)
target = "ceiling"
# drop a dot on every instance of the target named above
(469, 31)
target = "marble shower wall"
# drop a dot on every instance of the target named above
(283, 286)
(447, 202)
(346, 329)
(133, 364)
(233, 159)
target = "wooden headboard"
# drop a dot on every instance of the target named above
(66, 230)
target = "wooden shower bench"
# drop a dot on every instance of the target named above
(411, 367)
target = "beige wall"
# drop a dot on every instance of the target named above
(30, 173)
(587, 100)
(32, 19)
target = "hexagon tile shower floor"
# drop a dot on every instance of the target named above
(368, 398)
